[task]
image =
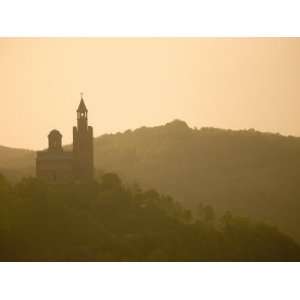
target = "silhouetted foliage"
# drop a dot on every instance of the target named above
(250, 173)
(108, 221)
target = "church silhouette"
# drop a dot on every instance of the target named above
(58, 166)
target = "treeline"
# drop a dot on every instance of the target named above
(250, 173)
(109, 221)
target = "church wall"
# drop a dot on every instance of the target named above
(55, 165)
(55, 168)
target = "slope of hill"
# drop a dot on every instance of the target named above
(250, 173)
(107, 221)
(16, 163)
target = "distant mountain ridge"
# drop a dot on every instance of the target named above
(245, 171)
(16, 163)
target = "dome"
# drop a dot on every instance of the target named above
(54, 132)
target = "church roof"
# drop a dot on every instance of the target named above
(54, 132)
(82, 107)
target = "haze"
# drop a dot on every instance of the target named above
(129, 83)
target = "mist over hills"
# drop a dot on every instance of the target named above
(247, 172)
(110, 221)
(16, 163)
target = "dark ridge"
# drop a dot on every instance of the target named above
(253, 174)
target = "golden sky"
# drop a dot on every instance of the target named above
(129, 83)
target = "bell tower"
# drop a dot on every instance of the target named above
(83, 145)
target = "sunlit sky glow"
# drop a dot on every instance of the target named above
(129, 83)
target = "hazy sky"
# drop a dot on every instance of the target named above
(129, 83)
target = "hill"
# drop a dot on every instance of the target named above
(250, 173)
(16, 163)
(107, 221)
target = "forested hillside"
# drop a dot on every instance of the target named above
(108, 221)
(250, 173)
(16, 163)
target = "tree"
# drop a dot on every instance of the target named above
(205, 213)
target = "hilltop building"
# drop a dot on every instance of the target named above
(58, 166)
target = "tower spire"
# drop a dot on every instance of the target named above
(81, 108)
(83, 144)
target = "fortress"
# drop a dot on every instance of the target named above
(58, 166)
